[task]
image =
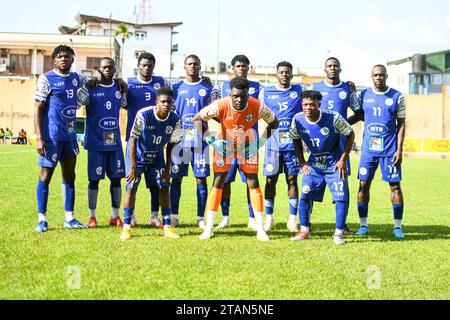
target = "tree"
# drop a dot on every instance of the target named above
(122, 31)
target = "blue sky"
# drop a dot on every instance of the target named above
(360, 33)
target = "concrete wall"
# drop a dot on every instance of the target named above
(17, 95)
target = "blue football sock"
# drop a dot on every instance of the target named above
(115, 190)
(269, 204)
(166, 212)
(42, 196)
(68, 192)
(175, 194)
(398, 211)
(154, 194)
(363, 209)
(225, 203)
(92, 194)
(304, 210)
(202, 197)
(341, 214)
(293, 205)
(127, 214)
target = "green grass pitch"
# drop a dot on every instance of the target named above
(95, 264)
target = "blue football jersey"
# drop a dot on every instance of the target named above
(190, 98)
(141, 94)
(285, 104)
(381, 110)
(102, 118)
(60, 95)
(152, 134)
(336, 98)
(253, 91)
(322, 138)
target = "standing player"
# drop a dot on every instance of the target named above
(55, 127)
(285, 102)
(102, 139)
(237, 115)
(384, 133)
(320, 130)
(154, 127)
(240, 65)
(191, 95)
(337, 96)
(142, 93)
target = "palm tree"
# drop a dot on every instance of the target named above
(122, 30)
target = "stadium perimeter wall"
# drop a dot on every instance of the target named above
(427, 122)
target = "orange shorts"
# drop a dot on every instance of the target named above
(222, 164)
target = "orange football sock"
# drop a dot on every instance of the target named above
(214, 198)
(256, 198)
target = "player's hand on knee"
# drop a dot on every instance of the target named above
(306, 170)
(342, 167)
(132, 176)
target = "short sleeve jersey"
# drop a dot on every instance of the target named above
(153, 133)
(285, 104)
(336, 98)
(60, 95)
(102, 118)
(322, 138)
(381, 110)
(141, 94)
(190, 98)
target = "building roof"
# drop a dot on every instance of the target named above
(403, 60)
(50, 41)
(82, 18)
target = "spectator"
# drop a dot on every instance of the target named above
(22, 139)
(2, 135)
(8, 135)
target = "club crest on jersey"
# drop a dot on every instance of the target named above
(169, 129)
(157, 86)
(343, 95)
(99, 171)
(249, 118)
(175, 169)
(220, 163)
(325, 131)
(269, 167)
(293, 95)
(389, 102)
(251, 91)
(202, 92)
(306, 189)
(75, 82)
(118, 95)
(362, 171)
(54, 157)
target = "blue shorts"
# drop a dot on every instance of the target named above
(110, 162)
(368, 166)
(277, 162)
(198, 158)
(152, 174)
(55, 151)
(234, 167)
(313, 186)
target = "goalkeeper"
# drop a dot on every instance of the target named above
(237, 114)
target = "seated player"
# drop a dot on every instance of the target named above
(102, 139)
(154, 127)
(321, 130)
(237, 115)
